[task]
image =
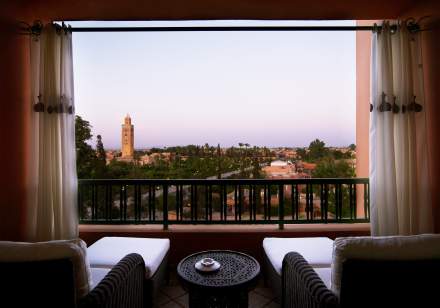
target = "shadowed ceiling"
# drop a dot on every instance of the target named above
(207, 9)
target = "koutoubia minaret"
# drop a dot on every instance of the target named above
(127, 138)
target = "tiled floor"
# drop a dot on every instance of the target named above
(174, 296)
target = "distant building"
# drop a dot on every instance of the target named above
(127, 139)
(153, 158)
(305, 168)
(280, 169)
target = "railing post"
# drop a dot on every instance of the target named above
(281, 206)
(165, 206)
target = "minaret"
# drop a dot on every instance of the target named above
(127, 138)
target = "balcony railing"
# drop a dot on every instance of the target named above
(224, 201)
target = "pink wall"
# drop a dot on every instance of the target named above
(363, 52)
(14, 98)
(14, 77)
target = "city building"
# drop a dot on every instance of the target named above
(280, 169)
(127, 139)
(153, 158)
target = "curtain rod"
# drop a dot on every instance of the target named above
(37, 26)
(223, 28)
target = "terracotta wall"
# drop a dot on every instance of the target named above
(14, 96)
(363, 52)
(431, 55)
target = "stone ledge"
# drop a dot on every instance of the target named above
(188, 239)
(356, 227)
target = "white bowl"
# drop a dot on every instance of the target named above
(210, 268)
(207, 262)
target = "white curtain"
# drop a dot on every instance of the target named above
(399, 173)
(52, 210)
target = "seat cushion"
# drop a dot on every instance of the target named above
(108, 251)
(316, 250)
(75, 250)
(414, 247)
(98, 274)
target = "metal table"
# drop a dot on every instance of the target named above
(227, 287)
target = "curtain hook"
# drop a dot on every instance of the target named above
(34, 29)
(393, 28)
(412, 25)
(375, 28)
(65, 28)
(57, 27)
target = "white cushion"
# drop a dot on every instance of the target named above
(98, 274)
(325, 273)
(317, 251)
(75, 250)
(108, 251)
(414, 247)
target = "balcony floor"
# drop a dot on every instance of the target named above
(174, 296)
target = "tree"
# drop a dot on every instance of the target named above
(100, 158)
(246, 145)
(317, 150)
(100, 152)
(301, 153)
(329, 168)
(338, 154)
(352, 147)
(85, 155)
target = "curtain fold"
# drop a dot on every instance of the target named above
(399, 171)
(52, 210)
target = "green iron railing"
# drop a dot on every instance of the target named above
(223, 201)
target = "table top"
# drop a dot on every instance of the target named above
(236, 269)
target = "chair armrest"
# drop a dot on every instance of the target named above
(122, 287)
(302, 287)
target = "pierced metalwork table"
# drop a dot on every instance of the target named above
(227, 287)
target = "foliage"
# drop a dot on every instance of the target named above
(100, 167)
(89, 163)
(317, 150)
(85, 155)
(330, 168)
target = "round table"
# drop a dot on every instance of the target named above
(227, 287)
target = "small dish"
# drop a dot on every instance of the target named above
(207, 265)
(207, 262)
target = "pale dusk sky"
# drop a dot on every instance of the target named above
(262, 88)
